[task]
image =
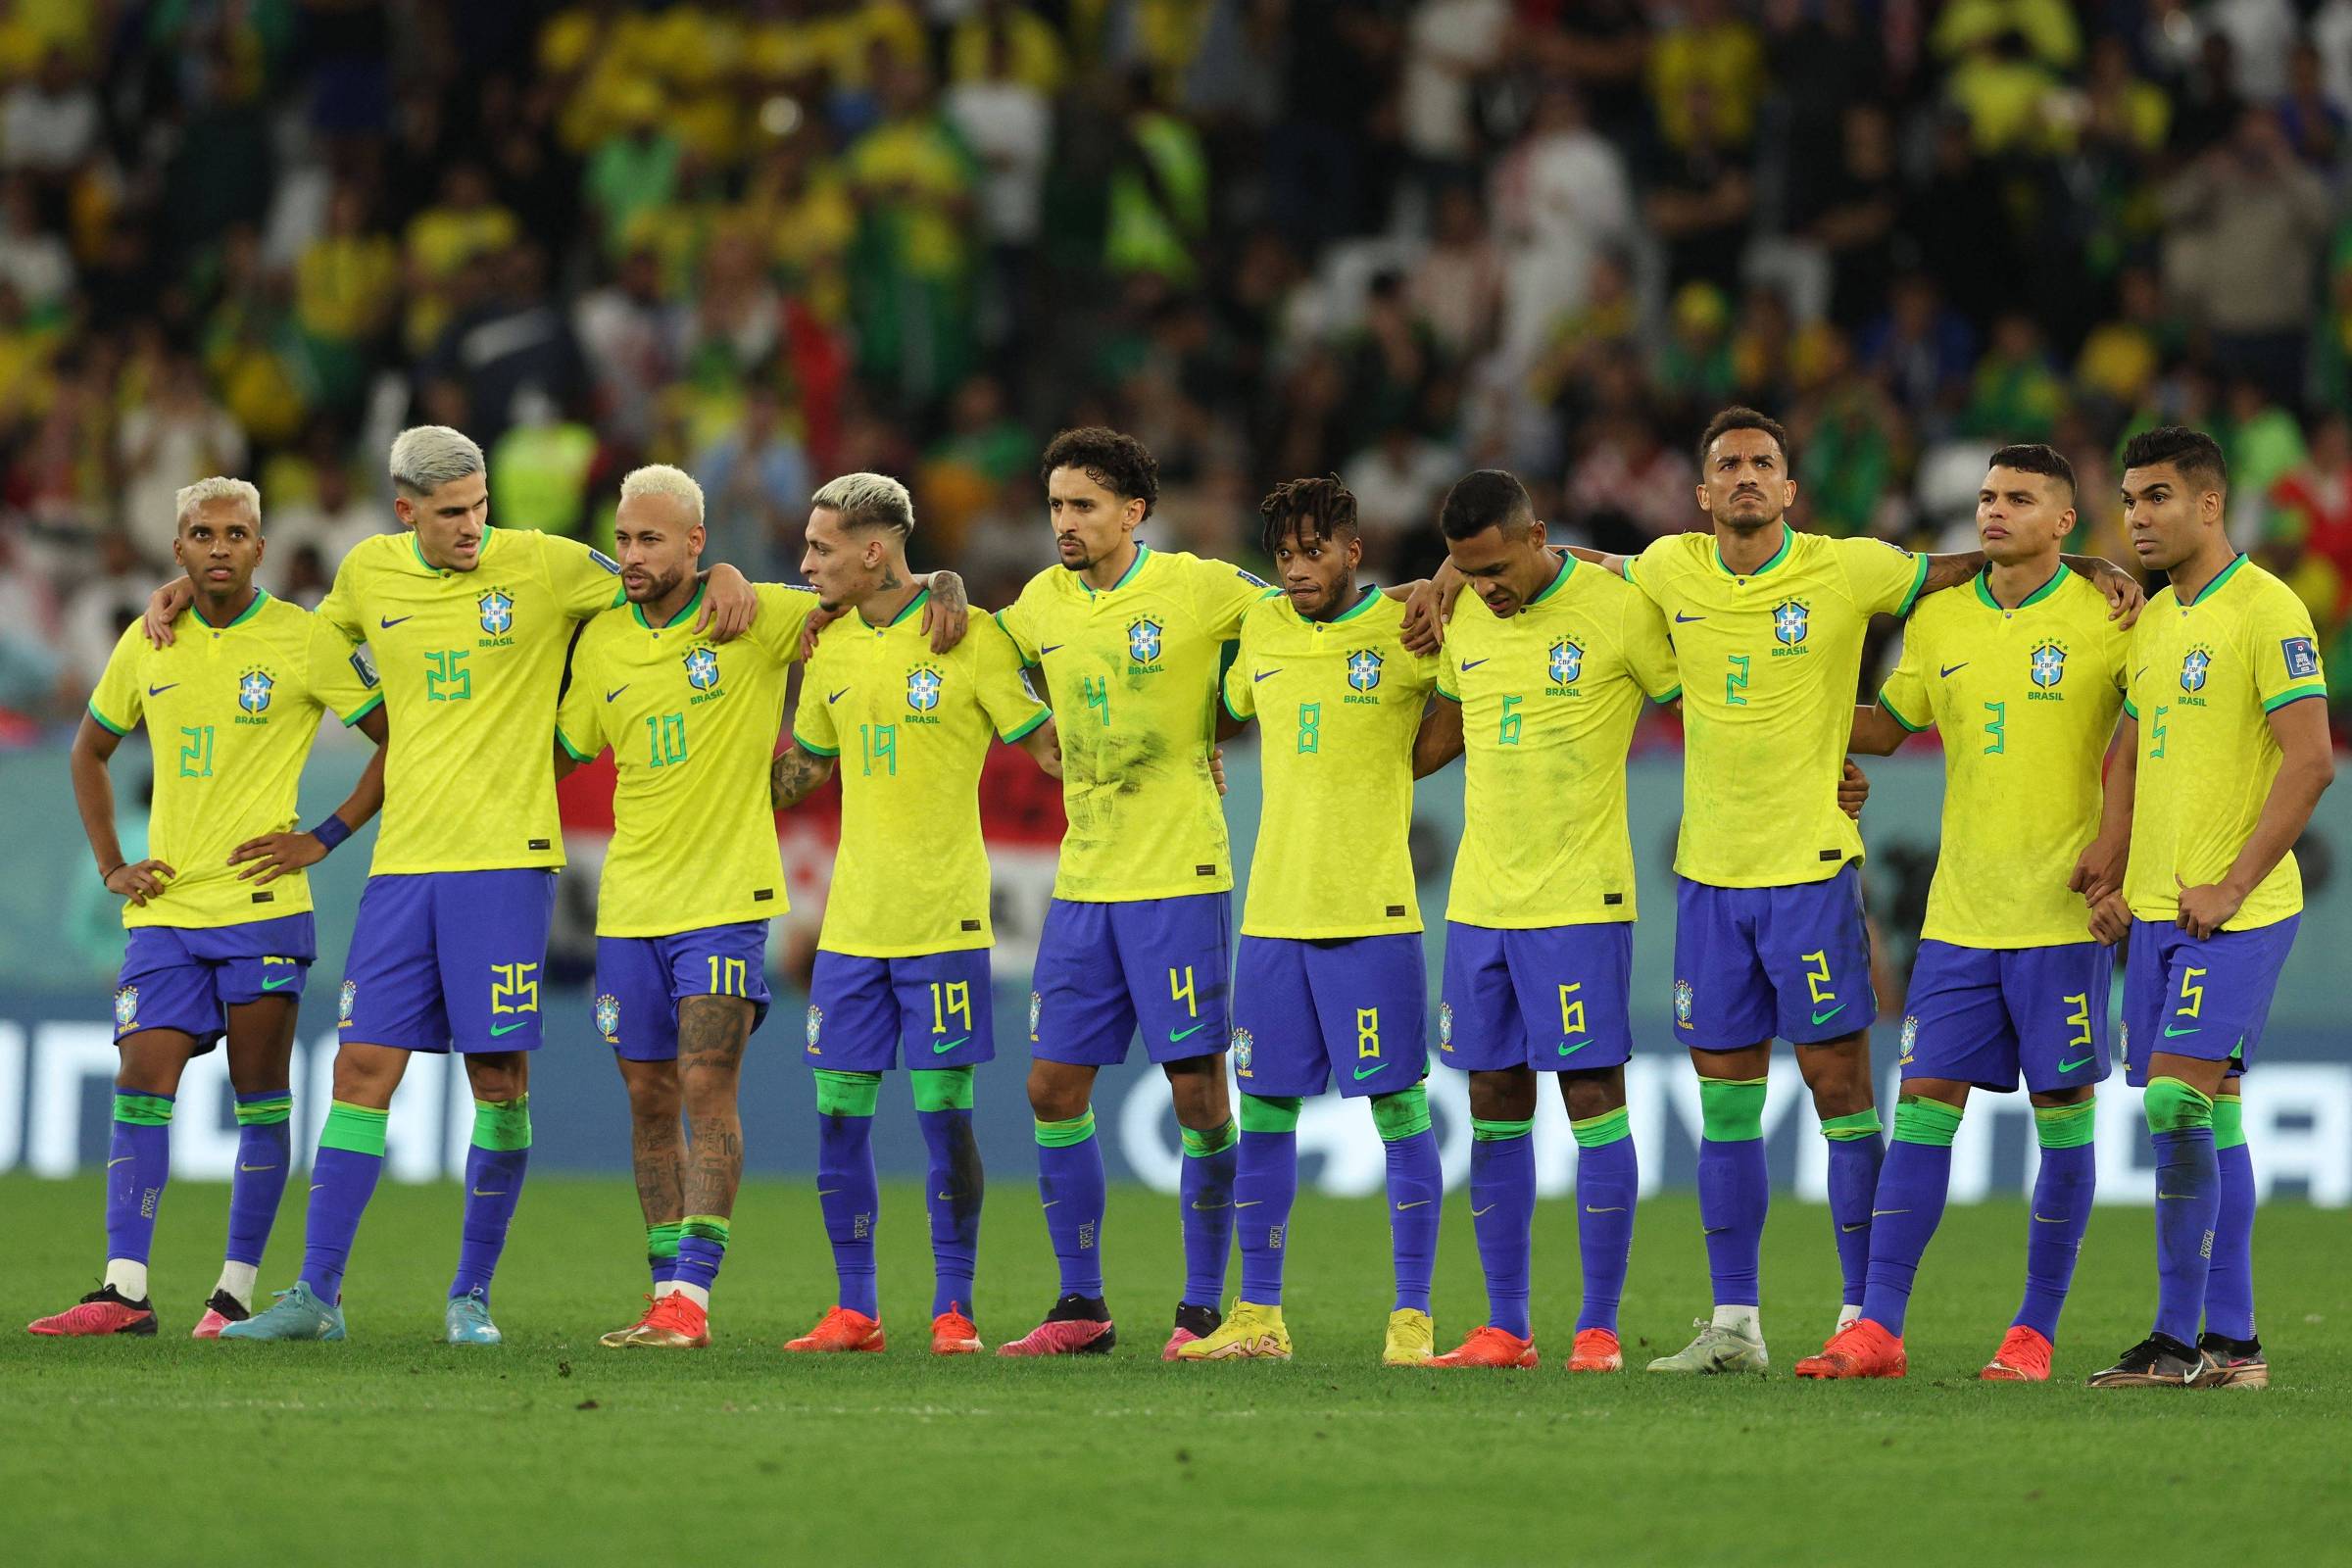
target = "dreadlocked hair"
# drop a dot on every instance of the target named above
(1314, 509)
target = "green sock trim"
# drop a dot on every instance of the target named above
(662, 1241)
(1270, 1113)
(2229, 1121)
(942, 1088)
(706, 1227)
(265, 1112)
(143, 1110)
(2173, 1106)
(2065, 1126)
(1482, 1131)
(1199, 1146)
(1609, 1127)
(354, 1128)
(1921, 1120)
(847, 1094)
(1730, 1111)
(1062, 1134)
(1401, 1115)
(1861, 1124)
(501, 1123)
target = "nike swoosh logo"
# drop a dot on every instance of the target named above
(241, 1165)
(945, 1197)
(1264, 673)
(158, 691)
(1473, 664)
(1363, 1073)
(1041, 1205)
(279, 984)
(388, 623)
(2070, 1067)
(122, 1161)
(1821, 1018)
(1589, 1210)
(1476, 1212)
(2172, 1033)
(2142, 671)
(615, 692)
(1850, 1230)
(503, 1028)
(1681, 619)
(1567, 1049)
(838, 696)
(2174, 1196)
(1948, 668)
(500, 1192)
(1876, 1213)
(2044, 1219)
(1716, 1231)
(1175, 1035)
(319, 1187)
(1418, 1202)
(1247, 1202)
(1208, 1208)
(940, 1050)
(829, 1192)
(1050, 648)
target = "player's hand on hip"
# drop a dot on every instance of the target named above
(2111, 920)
(163, 609)
(273, 855)
(947, 614)
(728, 605)
(2206, 908)
(1853, 788)
(140, 881)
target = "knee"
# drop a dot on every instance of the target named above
(1590, 1094)
(1053, 1099)
(654, 1103)
(1840, 1085)
(1502, 1095)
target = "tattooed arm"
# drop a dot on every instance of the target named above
(794, 775)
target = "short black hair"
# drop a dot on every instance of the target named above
(1118, 463)
(1316, 508)
(2036, 457)
(1746, 418)
(1487, 498)
(2192, 451)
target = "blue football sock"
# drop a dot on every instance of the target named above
(1913, 1184)
(1503, 1212)
(2230, 1286)
(265, 1149)
(1856, 1155)
(1734, 1185)
(1608, 1177)
(1206, 1189)
(701, 1249)
(661, 1250)
(943, 1106)
(1265, 1184)
(1070, 1181)
(846, 1189)
(1416, 1189)
(2061, 1211)
(2188, 1201)
(495, 1166)
(138, 1164)
(343, 1176)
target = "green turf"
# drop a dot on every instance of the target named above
(395, 1448)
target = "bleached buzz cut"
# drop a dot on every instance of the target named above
(661, 479)
(427, 457)
(217, 488)
(868, 501)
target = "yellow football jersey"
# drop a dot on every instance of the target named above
(231, 713)
(1132, 673)
(2026, 701)
(2205, 678)
(1337, 702)
(911, 728)
(1770, 665)
(693, 726)
(1548, 701)
(471, 662)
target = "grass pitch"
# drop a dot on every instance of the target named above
(394, 1448)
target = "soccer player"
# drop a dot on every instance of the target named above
(1544, 677)
(469, 625)
(2226, 721)
(1329, 978)
(214, 951)
(2023, 674)
(902, 961)
(1768, 625)
(689, 880)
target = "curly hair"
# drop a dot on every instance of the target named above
(1316, 508)
(1119, 464)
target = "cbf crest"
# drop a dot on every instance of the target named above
(1037, 1004)
(816, 1024)
(2193, 667)
(1682, 1002)
(1244, 1050)
(345, 999)
(497, 609)
(1791, 618)
(1566, 664)
(608, 1016)
(1444, 1026)
(923, 685)
(702, 669)
(2047, 667)
(127, 1008)
(1143, 641)
(1910, 1038)
(254, 690)
(1363, 669)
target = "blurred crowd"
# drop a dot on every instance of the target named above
(1392, 239)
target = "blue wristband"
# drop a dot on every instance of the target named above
(331, 832)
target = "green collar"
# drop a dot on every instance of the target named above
(912, 605)
(2219, 578)
(446, 571)
(252, 609)
(1567, 565)
(1142, 550)
(1363, 604)
(638, 610)
(1788, 538)
(1984, 580)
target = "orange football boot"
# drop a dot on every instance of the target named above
(1489, 1346)
(1597, 1351)
(1860, 1349)
(841, 1330)
(2024, 1357)
(954, 1334)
